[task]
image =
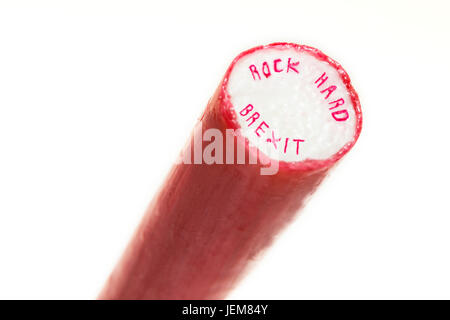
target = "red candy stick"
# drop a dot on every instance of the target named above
(294, 114)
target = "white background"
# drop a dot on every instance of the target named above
(98, 97)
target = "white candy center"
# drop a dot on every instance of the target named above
(291, 105)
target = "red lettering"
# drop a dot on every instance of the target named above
(330, 89)
(253, 117)
(292, 65)
(266, 70)
(298, 142)
(274, 140)
(275, 65)
(322, 79)
(254, 70)
(338, 102)
(340, 112)
(260, 128)
(246, 110)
